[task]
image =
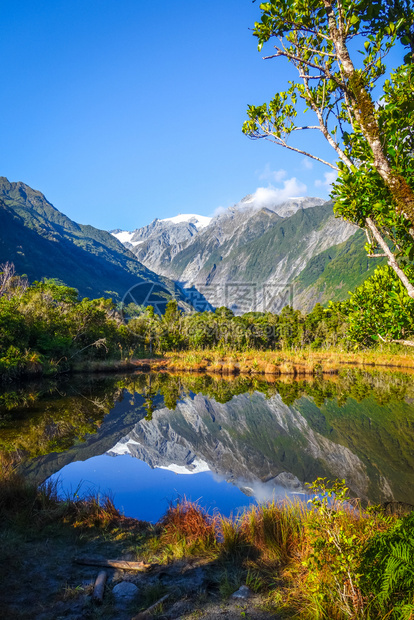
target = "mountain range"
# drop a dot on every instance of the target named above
(251, 256)
(256, 256)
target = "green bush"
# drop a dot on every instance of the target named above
(387, 570)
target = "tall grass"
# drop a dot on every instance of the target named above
(24, 503)
(186, 529)
(233, 541)
(307, 560)
(275, 530)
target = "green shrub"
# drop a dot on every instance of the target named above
(387, 570)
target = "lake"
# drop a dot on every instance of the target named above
(150, 439)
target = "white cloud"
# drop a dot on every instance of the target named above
(218, 211)
(272, 175)
(329, 178)
(271, 195)
(307, 163)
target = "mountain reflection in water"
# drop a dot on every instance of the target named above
(264, 439)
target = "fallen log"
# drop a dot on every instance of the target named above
(121, 564)
(145, 615)
(98, 590)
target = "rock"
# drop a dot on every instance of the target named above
(124, 591)
(179, 609)
(242, 592)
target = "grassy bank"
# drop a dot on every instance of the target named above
(293, 363)
(327, 560)
(46, 330)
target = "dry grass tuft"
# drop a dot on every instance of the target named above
(233, 542)
(93, 511)
(275, 530)
(186, 520)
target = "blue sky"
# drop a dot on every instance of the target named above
(123, 111)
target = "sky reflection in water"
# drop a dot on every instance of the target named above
(145, 493)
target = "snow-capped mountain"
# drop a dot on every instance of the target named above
(280, 250)
(134, 237)
(163, 239)
(157, 244)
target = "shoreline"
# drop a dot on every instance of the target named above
(195, 560)
(291, 364)
(265, 363)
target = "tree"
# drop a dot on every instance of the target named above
(373, 142)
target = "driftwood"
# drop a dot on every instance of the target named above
(99, 588)
(122, 564)
(145, 615)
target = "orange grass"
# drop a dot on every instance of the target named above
(302, 362)
(93, 511)
(275, 530)
(186, 520)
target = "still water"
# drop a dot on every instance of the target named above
(149, 439)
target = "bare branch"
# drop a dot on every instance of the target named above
(313, 77)
(407, 343)
(367, 236)
(302, 28)
(314, 51)
(340, 17)
(272, 138)
(391, 258)
(307, 127)
(324, 129)
(295, 58)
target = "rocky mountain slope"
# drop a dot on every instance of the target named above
(256, 256)
(42, 242)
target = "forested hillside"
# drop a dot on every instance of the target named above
(42, 242)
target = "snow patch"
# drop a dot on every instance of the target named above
(199, 221)
(125, 237)
(197, 466)
(121, 447)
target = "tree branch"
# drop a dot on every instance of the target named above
(297, 59)
(272, 138)
(324, 129)
(407, 343)
(391, 258)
